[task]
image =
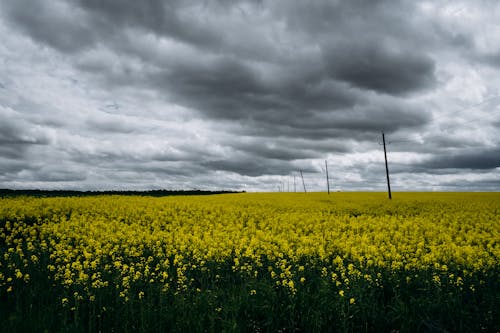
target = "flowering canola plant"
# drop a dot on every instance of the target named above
(356, 251)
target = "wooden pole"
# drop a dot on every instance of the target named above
(303, 183)
(327, 180)
(386, 168)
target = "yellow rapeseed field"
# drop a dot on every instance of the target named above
(340, 255)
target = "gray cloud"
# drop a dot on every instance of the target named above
(275, 153)
(287, 150)
(468, 159)
(177, 19)
(55, 175)
(12, 166)
(248, 165)
(245, 90)
(109, 123)
(492, 59)
(18, 136)
(57, 24)
(382, 69)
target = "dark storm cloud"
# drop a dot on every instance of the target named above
(263, 87)
(286, 149)
(264, 150)
(247, 165)
(358, 123)
(12, 151)
(38, 171)
(172, 18)
(159, 158)
(373, 66)
(17, 136)
(246, 98)
(9, 134)
(492, 59)
(56, 24)
(466, 159)
(491, 184)
(234, 88)
(226, 88)
(56, 175)
(376, 45)
(148, 169)
(10, 166)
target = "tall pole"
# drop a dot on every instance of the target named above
(327, 180)
(386, 168)
(303, 183)
(294, 187)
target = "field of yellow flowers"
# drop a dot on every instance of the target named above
(251, 262)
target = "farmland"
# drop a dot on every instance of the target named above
(251, 262)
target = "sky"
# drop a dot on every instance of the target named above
(243, 95)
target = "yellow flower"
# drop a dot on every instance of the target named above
(341, 293)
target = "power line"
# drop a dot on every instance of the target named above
(426, 138)
(466, 108)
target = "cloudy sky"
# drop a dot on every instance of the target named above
(109, 94)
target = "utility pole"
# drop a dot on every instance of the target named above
(386, 167)
(303, 183)
(327, 180)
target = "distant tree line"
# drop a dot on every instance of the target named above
(67, 193)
